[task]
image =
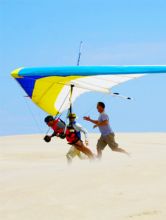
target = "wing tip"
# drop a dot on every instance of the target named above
(15, 73)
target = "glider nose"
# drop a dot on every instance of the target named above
(15, 73)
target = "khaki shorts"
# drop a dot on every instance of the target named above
(107, 140)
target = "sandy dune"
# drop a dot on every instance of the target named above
(37, 184)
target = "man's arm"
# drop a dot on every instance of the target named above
(87, 118)
(96, 122)
(102, 123)
(47, 138)
(78, 127)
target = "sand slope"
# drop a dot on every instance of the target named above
(37, 184)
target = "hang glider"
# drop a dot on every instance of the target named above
(50, 87)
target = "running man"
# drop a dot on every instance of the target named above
(107, 135)
(73, 137)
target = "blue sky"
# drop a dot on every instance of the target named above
(47, 33)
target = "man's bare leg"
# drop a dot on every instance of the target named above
(81, 147)
(120, 150)
(69, 160)
(115, 147)
(71, 154)
(99, 153)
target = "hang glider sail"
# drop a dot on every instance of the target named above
(50, 87)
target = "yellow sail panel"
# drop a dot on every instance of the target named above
(47, 90)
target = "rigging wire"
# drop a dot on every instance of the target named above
(33, 116)
(79, 53)
(38, 128)
(94, 104)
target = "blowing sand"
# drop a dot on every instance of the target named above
(37, 184)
